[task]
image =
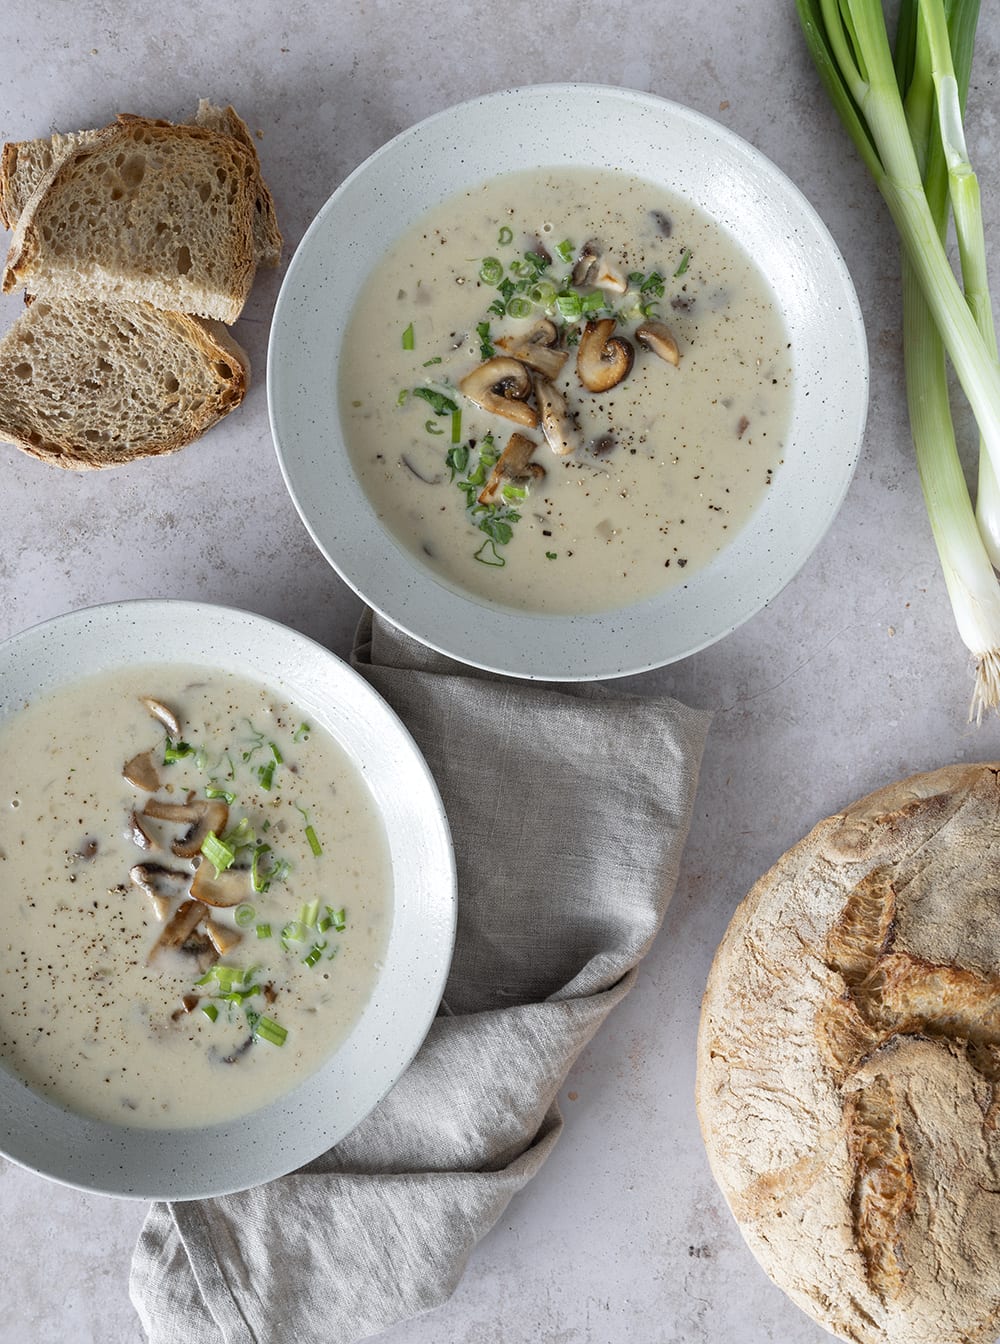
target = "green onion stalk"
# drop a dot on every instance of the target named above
(914, 168)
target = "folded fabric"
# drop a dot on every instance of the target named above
(569, 808)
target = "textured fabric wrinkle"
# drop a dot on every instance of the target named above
(568, 807)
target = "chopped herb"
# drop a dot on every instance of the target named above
(565, 250)
(265, 774)
(519, 307)
(314, 843)
(436, 360)
(684, 263)
(486, 347)
(210, 1011)
(408, 339)
(263, 930)
(438, 402)
(315, 953)
(432, 428)
(266, 1029)
(213, 790)
(309, 914)
(176, 751)
(456, 426)
(218, 853)
(505, 236)
(457, 459)
(550, 555)
(491, 271)
(244, 915)
(301, 733)
(487, 555)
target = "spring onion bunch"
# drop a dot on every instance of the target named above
(905, 116)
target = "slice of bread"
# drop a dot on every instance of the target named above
(24, 163)
(143, 211)
(85, 385)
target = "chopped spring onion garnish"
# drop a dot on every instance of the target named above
(263, 930)
(301, 733)
(244, 915)
(488, 555)
(486, 347)
(176, 751)
(408, 338)
(266, 1029)
(261, 877)
(519, 307)
(278, 759)
(314, 843)
(432, 428)
(309, 914)
(218, 853)
(240, 835)
(230, 979)
(491, 271)
(265, 774)
(911, 153)
(210, 1011)
(684, 263)
(438, 402)
(505, 236)
(315, 953)
(565, 250)
(215, 791)
(456, 426)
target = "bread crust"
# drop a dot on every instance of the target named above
(221, 258)
(65, 428)
(848, 1083)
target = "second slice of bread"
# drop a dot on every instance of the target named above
(87, 384)
(143, 211)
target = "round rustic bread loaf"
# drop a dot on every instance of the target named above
(849, 1065)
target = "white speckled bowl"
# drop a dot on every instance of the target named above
(579, 125)
(189, 1163)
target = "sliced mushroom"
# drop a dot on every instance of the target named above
(602, 360)
(500, 386)
(179, 928)
(554, 417)
(223, 938)
(141, 772)
(138, 833)
(514, 467)
(163, 714)
(608, 276)
(229, 887)
(200, 815)
(586, 262)
(536, 348)
(161, 885)
(658, 337)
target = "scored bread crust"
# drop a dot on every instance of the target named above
(143, 211)
(848, 1082)
(85, 385)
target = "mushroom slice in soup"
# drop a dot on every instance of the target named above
(554, 417)
(223, 939)
(602, 359)
(657, 337)
(179, 929)
(500, 386)
(141, 772)
(163, 714)
(536, 348)
(161, 885)
(200, 815)
(229, 887)
(513, 467)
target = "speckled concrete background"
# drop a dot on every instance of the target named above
(852, 677)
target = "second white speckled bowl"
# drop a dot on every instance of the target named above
(582, 125)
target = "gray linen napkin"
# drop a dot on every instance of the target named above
(569, 809)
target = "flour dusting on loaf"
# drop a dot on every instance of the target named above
(849, 1065)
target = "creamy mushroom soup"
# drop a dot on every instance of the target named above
(565, 390)
(196, 893)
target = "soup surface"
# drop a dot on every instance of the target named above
(617, 492)
(145, 984)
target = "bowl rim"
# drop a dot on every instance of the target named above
(199, 1162)
(530, 645)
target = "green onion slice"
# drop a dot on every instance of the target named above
(244, 915)
(218, 853)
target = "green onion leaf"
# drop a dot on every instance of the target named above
(685, 262)
(265, 774)
(491, 271)
(218, 853)
(244, 915)
(210, 1011)
(302, 733)
(214, 790)
(266, 1029)
(176, 751)
(263, 930)
(565, 250)
(314, 843)
(408, 338)
(519, 307)
(505, 236)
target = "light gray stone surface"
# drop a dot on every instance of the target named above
(852, 677)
